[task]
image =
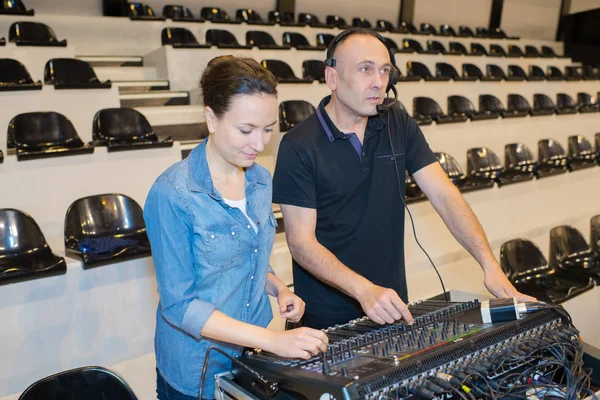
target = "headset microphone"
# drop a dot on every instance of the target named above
(387, 102)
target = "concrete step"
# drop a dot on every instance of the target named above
(141, 86)
(155, 98)
(113, 61)
(115, 73)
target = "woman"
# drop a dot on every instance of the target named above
(211, 227)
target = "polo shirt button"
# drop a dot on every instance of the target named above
(363, 153)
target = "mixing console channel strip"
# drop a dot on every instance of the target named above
(447, 345)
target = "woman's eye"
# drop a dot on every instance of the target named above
(245, 131)
(268, 129)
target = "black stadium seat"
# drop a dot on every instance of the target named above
(447, 70)
(426, 107)
(419, 69)
(218, 15)
(105, 228)
(498, 33)
(337, 21)
(581, 154)
(552, 158)
(459, 106)
(314, 70)
(542, 105)
(571, 255)
(323, 39)
(481, 32)
(299, 41)
(518, 106)
(472, 72)
(90, 383)
(223, 39)
(436, 47)
(179, 13)
(383, 25)
(465, 31)
(458, 49)
(428, 29)
(497, 51)
(142, 12)
(14, 76)
(536, 73)
(33, 34)
(454, 172)
(293, 112)
(494, 73)
(251, 17)
(519, 164)
(1, 157)
(71, 73)
(283, 72)
(44, 134)
(283, 18)
(554, 74)
(477, 49)
(491, 105)
(532, 52)
(565, 104)
(125, 129)
(516, 73)
(595, 233)
(24, 252)
(180, 38)
(573, 74)
(2, 41)
(484, 165)
(514, 51)
(312, 21)
(407, 27)
(361, 23)
(590, 73)
(416, 46)
(263, 40)
(586, 103)
(447, 30)
(14, 7)
(548, 52)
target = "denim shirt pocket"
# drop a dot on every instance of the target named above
(222, 247)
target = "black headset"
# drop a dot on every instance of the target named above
(394, 72)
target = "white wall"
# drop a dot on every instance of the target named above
(583, 5)
(536, 19)
(472, 13)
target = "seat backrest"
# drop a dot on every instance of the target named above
(259, 38)
(585, 99)
(472, 70)
(31, 31)
(555, 72)
(515, 50)
(13, 72)
(537, 72)
(497, 33)
(497, 50)
(13, 6)
(281, 16)
(172, 36)
(220, 36)
(573, 72)
(279, 68)
(543, 102)
(137, 9)
(247, 15)
(447, 30)
(590, 72)
(450, 166)
(336, 21)
(490, 103)
(480, 31)
(550, 150)
(295, 39)
(414, 68)
(517, 154)
(19, 233)
(214, 14)
(516, 102)
(494, 71)
(445, 69)
(457, 48)
(532, 51)
(90, 383)
(565, 241)
(308, 18)
(412, 44)
(435, 45)
(293, 112)
(175, 11)
(548, 51)
(120, 124)
(323, 39)
(521, 260)
(69, 71)
(391, 43)
(483, 162)
(516, 72)
(361, 23)
(384, 25)
(37, 130)
(425, 106)
(477, 48)
(458, 105)
(579, 146)
(464, 30)
(314, 69)
(595, 233)
(563, 100)
(428, 28)
(407, 27)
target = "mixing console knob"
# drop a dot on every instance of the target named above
(325, 364)
(444, 335)
(350, 350)
(421, 344)
(344, 372)
(375, 350)
(398, 347)
(384, 352)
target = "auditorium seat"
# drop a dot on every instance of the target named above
(458, 49)
(24, 252)
(361, 23)
(179, 13)
(71, 73)
(498, 33)
(573, 74)
(391, 43)
(477, 49)
(218, 15)
(283, 72)
(581, 154)
(428, 29)
(536, 73)
(125, 129)
(312, 20)
(542, 105)
(383, 25)
(447, 70)
(90, 383)
(532, 52)
(223, 39)
(314, 70)
(299, 41)
(436, 47)
(142, 12)
(1, 157)
(490, 104)
(251, 17)
(481, 32)
(337, 21)
(465, 31)
(323, 39)
(105, 228)
(548, 52)
(552, 158)
(518, 106)
(494, 73)
(293, 112)
(497, 51)
(473, 72)
(565, 104)
(590, 73)
(447, 30)
(416, 46)
(180, 38)
(460, 106)
(14, 76)
(571, 255)
(14, 7)
(516, 73)
(2, 41)
(263, 40)
(413, 192)
(283, 18)
(595, 234)
(586, 103)
(37, 135)
(427, 107)
(527, 269)
(414, 69)
(519, 164)
(484, 165)
(554, 74)
(457, 177)
(514, 51)
(33, 34)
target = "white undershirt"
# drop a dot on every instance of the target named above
(241, 204)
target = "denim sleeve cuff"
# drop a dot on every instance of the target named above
(271, 270)
(195, 317)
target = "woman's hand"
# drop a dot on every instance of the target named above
(298, 343)
(290, 306)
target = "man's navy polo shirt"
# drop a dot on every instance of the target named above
(354, 188)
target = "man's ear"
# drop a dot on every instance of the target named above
(331, 78)
(211, 119)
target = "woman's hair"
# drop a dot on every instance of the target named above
(227, 76)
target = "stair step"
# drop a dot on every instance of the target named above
(113, 61)
(126, 74)
(154, 99)
(141, 86)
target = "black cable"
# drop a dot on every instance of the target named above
(412, 222)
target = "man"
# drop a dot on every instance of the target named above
(338, 192)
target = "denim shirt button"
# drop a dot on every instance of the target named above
(212, 236)
(256, 250)
(247, 304)
(252, 277)
(232, 233)
(248, 226)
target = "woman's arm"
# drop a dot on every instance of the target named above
(290, 306)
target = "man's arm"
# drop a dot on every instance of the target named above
(379, 303)
(465, 227)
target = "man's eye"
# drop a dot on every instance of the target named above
(365, 69)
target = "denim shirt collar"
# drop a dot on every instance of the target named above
(201, 181)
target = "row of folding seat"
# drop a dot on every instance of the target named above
(99, 229)
(573, 266)
(222, 38)
(38, 135)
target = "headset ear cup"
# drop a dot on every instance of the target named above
(394, 76)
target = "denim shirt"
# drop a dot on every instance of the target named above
(207, 257)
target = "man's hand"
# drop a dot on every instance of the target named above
(383, 305)
(498, 284)
(290, 306)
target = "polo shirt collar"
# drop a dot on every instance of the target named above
(375, 122)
